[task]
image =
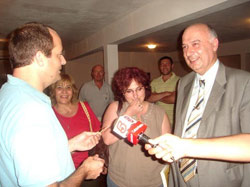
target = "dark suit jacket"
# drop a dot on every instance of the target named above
(227, 112)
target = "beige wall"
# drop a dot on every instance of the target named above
(241, 48)
(234, 54)
(142, 60)
(231, 61)
(80, 69)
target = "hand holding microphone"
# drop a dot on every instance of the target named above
(170, 147)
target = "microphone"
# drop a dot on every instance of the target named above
(127, 127)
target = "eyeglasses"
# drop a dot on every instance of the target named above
(137, 90)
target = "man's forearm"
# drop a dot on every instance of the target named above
(230, 148)
(170, 99)
(158, 96)
(75, 179)
(89, 169)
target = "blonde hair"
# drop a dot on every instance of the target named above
(64, 78)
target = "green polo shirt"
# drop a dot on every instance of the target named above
(158, 86)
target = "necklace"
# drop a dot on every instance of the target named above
(65, 121)
(65, 116)
(69, 123)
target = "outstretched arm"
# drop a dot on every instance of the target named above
(229, 148)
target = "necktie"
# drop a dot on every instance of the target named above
(188, 166)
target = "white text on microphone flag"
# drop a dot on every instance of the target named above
(122, 125)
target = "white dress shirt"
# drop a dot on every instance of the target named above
(209, 78)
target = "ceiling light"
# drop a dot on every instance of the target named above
(151, 46)
(248, 20)
(3, 40)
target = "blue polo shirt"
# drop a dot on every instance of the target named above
(33, 146)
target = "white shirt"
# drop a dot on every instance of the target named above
(98, 99)
(209, 78)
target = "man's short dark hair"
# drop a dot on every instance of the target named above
(165, 57)
(26, 41)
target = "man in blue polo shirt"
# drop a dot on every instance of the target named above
(34, 150)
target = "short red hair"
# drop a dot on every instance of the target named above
(123, 78)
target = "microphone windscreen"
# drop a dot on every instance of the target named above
(122, 125)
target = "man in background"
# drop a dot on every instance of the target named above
(97, 92)
(34, 149)
(164, 87)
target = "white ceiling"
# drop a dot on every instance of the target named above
(73, 19)
(78, 19)
(230, 24)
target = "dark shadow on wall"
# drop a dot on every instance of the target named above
(5, 66)
(3, 79)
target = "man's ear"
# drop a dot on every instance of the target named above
(215, 44)
(40, 58)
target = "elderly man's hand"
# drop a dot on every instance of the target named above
(84, 141)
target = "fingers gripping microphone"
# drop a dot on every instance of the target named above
(127, 127)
